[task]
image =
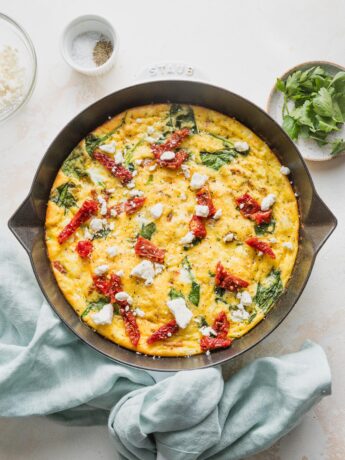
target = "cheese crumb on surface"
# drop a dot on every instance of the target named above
(188, 238)
(124, 296)
(288, 245)
(202, 210)
(139, 312)
(156, 210)
(183, 196)
(228, 238)
(245, 298)
(240, 314)
(144, 270)
(118, 157)
(131, 184)
(112, 251)
(150, 130)
(120, 273)
(241, 146)
(218, 214)
(198, 181)
(109, 148)
(103, 316)
(95, 175)
(135, 192)
(153, 167)
(185, 276)
(186, 171)
(101, 269)
(208, 331)
(139, 161)
(103, 203)
(268, 202)
(285, 170)
(168, 155)
(179, 309)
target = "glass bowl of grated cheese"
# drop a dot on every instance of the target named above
(18, 66)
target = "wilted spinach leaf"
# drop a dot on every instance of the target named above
(74, 165)
(95, 306)
(182, 116)
(194, 295)
(268, 293)
(217, 159)
(175, 294)
(148, 230)
(63, 197)
(261, 229)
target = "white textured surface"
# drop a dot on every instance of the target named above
(242, 46)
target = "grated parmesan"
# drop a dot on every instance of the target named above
(12, 80)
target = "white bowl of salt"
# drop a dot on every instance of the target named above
(89, 44)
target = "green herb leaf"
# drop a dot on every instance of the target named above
(175, 294)
(148, 230)
(338, 146)
(101, 234)
(92, 141)
(262, 229)
(194, 295)
(182, 116)
(268, 292)
(95, 306)
(63, 197)
(291, 127)
(322, 103)
(216, 160)
(150, 179)
(74, 165)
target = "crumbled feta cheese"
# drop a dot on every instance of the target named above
(288, 245)
(135, 192)
(150, 139)
(134, 173)
(150, 130)
(198, 181)
(218, 214)
(95, 175)
(111, 226)
(139, 120)
(156, 210)
(186, 171)
(109, 148)
(139, 161)
(103, 204)
(241, 205)
(228, 238)
(268, 202)
(168, 155)
(103, 316)
(153, 167)
(188, 238)
(202, 210)
(272, 240)
(113, 212)
(285, 170)
(240, 314)
(87, 234)
(139, 312)
(101, 269)
(120, 273)
(124, 296)
(260, 254)
(241, 146)
(179, 309)
(96, 224)
(158, 268)
(110, 190)
(183, 196)
(208, 353)
(144, 270)
(296, 195)
(185, 276)
(208, 331)
(141, 220)
(245, 298)
(118, 157)
(112, 251)
(131, 184)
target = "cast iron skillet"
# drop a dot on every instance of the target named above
(317, 221)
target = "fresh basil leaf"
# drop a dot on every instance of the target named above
(338, 146)
(175, 294)
(182, 116)
(322, 103)
(268, 292)
(63, 197)
(148, 230)
(216, 160)
(194, 295)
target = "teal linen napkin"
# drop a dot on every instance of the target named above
(46, 370)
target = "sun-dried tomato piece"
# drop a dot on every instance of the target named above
(59, 267)
(204, 198)
(197, 226)
(134, 204)
(144, 248)
(227, 281)
(175, 163)
(172, 143)
(101, 284)
(115, 286)
(87, 209)
(84, 248)
(131, 326)
(248, 205)
(116, 170)
(221, 325)
(260, 246)
(262, 217)
(212, 343)
(164, 332)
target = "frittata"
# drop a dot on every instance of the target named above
(172, 229)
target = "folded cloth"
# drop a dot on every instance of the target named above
(45, 369)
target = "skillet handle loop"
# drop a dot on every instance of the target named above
(320, 222)
(24, 224)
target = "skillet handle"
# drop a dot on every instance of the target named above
(25, 225)
(320, 222)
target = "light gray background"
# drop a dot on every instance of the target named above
(241, 45)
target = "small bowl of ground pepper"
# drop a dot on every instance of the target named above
(89, 44)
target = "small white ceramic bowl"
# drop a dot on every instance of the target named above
(83, 24)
